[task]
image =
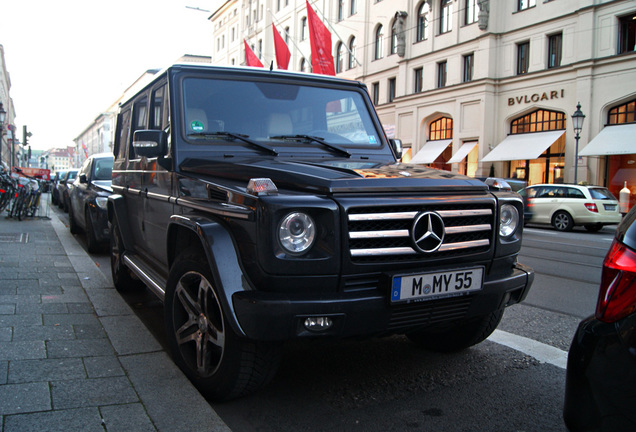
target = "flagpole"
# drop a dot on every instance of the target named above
(325, 20)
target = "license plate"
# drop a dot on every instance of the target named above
(429, 286)
(610, 207)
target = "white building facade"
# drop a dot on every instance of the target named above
(474, 86)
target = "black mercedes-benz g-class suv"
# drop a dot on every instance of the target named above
(263, 206)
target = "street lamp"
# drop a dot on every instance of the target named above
(577, 124)
(3, 115)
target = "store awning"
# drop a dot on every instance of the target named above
(612, 140)
(523, 146)
(430, 151)
(462, 152)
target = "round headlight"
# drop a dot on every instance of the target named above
(296, 233)
(508, 220)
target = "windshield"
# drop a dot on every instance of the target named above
(278, 113)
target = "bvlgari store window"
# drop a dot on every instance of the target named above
(615, 142)
(535, 148)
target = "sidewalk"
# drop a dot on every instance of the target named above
(73, 355)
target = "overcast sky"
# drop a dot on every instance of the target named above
(69, 60)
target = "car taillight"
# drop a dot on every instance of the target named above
(591, 207)
(617, 296)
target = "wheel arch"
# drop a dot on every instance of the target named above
(217, 246)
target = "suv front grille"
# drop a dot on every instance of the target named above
(381, 234)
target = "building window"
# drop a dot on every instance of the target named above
(525, 4)
(423, 14)
(471, 12)
(260, 48)
(418, 76)
(303, 65)
(627, 34)
(341, 10)
(538, 121)
(379, 43)
(376, 93)
(391, 89)
(340, 58)
(303, 28)
(287, 35)
(554, 51)
(625, 113)
(441, 74)
(352, 53)
(354, 7)
(446, 17)
(440, 129)
(277, 5)
(394, 40)
(469, 60)
(523, 58)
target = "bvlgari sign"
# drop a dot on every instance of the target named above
(536, 97)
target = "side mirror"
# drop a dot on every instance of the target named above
(150, 143)
(397, 147)
(83, 179)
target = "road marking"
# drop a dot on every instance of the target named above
(542, 352)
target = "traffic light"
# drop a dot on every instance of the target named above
(25, 135)
(29, 154)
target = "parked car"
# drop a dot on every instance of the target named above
(88, 198)
(55, 193)
(274, 209)
(601, 371)
(62, 188)
(565, 206)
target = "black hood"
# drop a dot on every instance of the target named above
(333, 175)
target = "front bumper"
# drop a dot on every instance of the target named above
(601, 377)
(275, 316)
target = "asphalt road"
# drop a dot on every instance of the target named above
(388, 384)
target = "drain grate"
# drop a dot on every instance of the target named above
(14, 238)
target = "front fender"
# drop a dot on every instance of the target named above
(117, 211)
(222, 258)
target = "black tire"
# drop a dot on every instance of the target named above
(594, 227)
(123, 279)
(65, 203)
(221, 364)
(72, 224)
(458, 337)
(562, 221)
(91, 241)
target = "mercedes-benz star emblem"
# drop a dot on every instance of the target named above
(427, 232)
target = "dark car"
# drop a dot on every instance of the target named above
(600, 386)
(62, 188)
(88, 198)
(266, 206)
(55, 193)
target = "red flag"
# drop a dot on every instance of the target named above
(250, 57)
(282, 51)
(320, 41)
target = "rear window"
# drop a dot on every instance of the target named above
(601, 194)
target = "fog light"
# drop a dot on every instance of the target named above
(318, 323)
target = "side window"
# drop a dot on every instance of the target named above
(139, 121)
(123, 128)
(532, 192)
(546, 192)
(575, 193)
(159, 119)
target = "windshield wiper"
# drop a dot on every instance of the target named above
(244, 138)
(313, 139)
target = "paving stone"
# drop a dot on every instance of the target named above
(17, 299)
(70, 295)
(80, 308)
(125, 418)
(21, 398)
(7, 289)
(23, 371)
(41, 308)
(129, 336)
(79, 348)
(82, 419)
(6, 334)
(7, 309)
(41, 289)
(70, 319)
(103, 367)
(20, 320)
(22, 350)
(92, 392)
(108, 302)
(4, 373)
(43, 333)
(89, 332)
